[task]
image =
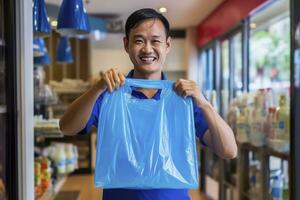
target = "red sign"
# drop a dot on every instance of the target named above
(223, 18)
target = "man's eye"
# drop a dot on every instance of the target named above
(156, 41)
(138, 41)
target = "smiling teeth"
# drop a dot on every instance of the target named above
(147, 59)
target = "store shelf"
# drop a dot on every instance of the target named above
(48, 134)
(70, 92)
(271, 152)
(267, 151)
(3, 109)
(59, 184)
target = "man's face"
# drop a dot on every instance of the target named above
(148, 46)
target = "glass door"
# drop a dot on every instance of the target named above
(230, 86)
(8, 120)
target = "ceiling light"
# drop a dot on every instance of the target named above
(162, 10)
(64, 53)
(41, 26)
(54, 23)
(73, 19)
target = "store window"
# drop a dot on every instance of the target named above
(237, 64)
(206, 72)
(270, 48)
(225, 88)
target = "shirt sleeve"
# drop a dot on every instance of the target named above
(201, 124)
(94, 117)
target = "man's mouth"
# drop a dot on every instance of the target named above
(147, 59)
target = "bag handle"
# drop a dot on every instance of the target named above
(149, 84)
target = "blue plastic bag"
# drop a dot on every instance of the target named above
(146, 143)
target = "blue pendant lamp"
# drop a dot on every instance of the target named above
(72, 19)
(41, 56)
(64, 53)
(41, 26)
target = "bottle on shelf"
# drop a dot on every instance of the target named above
(282, 131)
(59, 157)
(255, 181)
(70, 158)
(277, 187)
(242, 126)
(281, 126)
(232, 115)
(270, 123)
(257, 118)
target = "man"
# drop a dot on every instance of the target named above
(147, 43)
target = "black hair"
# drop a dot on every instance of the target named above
(143, 14)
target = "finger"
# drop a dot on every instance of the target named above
(122, 78)
(187, 87)
(110, 76)
(106, 78)
(187, 93)
(116, 78)
(178, 82)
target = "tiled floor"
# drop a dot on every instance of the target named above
(85, 184)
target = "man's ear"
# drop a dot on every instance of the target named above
(126, 44)
(168, 44)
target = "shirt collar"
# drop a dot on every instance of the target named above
(139, 94)
(130, 75)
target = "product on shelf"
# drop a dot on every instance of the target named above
(70, 86)
(232, 115)
(37, 178)
(282, 130)
(242, 126)
(70, 158)
(42, 175)
(65, 157)
(47, 127)
(276, 186)
(45, 173)
(257, 117)
(255, 180)
(59, 156)
(281, 138)
(270, 123)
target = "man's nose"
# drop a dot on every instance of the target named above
(147, 48)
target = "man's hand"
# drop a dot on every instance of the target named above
(111, 80)
(186, 88)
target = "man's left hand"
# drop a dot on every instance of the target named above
(186, 88)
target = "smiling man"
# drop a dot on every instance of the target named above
(147, 43)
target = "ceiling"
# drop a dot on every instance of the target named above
(181, 14)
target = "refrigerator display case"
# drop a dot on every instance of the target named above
(252, 81)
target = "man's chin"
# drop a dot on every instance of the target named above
(148, 68)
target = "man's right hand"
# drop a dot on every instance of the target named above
(111, 80)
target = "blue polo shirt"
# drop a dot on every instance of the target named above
(149, 194)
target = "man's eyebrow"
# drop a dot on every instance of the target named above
(137, 36)
(156, 36)
(141, 36)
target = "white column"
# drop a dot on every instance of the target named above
(24, 57)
